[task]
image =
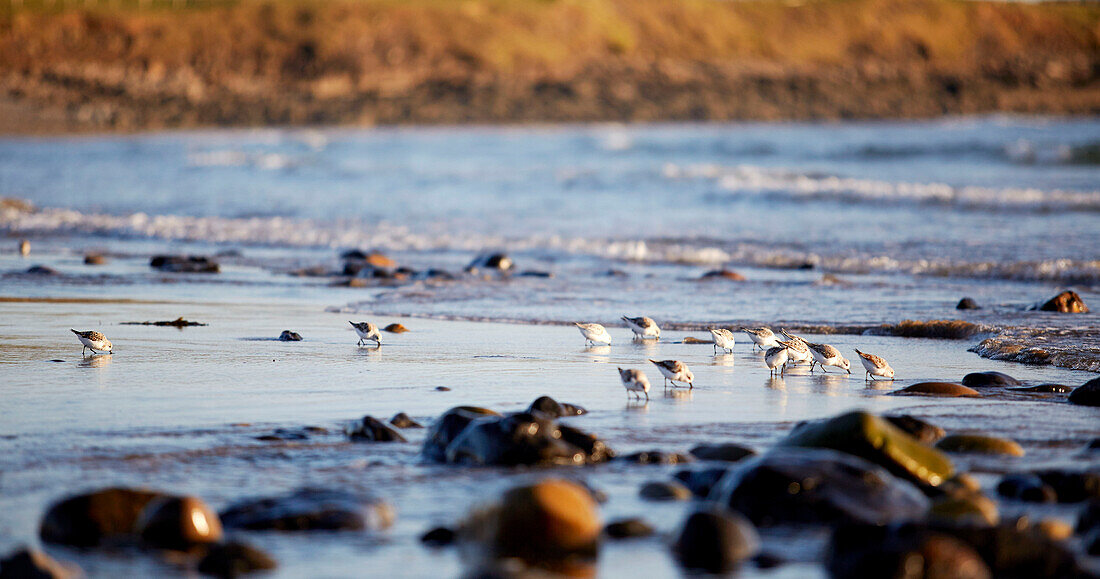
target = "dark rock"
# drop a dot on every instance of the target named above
(289, 336)
(948, 389)
(975, 443)
(27, 563)
(715, 542)
(1089, 519)
(925, 432)
(312, 271)
(1094, 444)
(700, 482)
(42, 270)
(231, 253)
(358, 254)
(554, 409)
(664, 491)
(970, 508)
(1070, 486)
(184, 264)
(1067, 302)
(655, 457)
(442, 389)
(493, 261)
(234, 559)
(370, 429)
(628, 529)
(767, 561)
(725, 274)
(402, 420)
(90, 519)
(535, 273)
(722, 452)
(1087, 394)
(791, 485)
(983, 379)
(1015, 549)
(1026, 487)
(395, 329)
(438, 537)
(524, 439)
(616, 273)
(94, 259)
(447, 427)
(1092, 543)
(1044, 389)
(967, 304)
(309, 510)
(904, 551)
(179, 523)
(877, 440)
(285, 434)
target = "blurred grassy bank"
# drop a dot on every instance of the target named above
(150, 64)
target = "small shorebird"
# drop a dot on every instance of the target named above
(797, 351)
(94, 341)
(594, 333)
(643, 327)
(634, 381)
(762, 337)
(776, 359)
(826, 355)
(723, 338)
(367, 331)
(875, 366)
(675, 371)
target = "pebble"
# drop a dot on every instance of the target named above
(715, 541)
(402, 420)
(370, 429)
(94, 259)
(728, 452)
(967, 304)
(289, 336)
(979, 444)
(438, 537)
(179, 523)
(234, 559)
(395, 329)
(664, 491)
(554, 409)
(628, 529)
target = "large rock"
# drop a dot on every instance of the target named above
(946, 389)
(628, 529)
(184, 264)
(1026, 487)
(1087, 394)
(1014, 548)
(979, 444)
(28, 563)
(722, 452)
(984, 379)
(715, 542)
(524, 439)
(904, 551)
(925, 432)
(1072, 486)
(447, 427)
(967, 304)
(701, 481)
(90, 519)
(402, 420)
(234, 559)
(664, 491)
(1067, 302)
(308, 510)
(179, 523)
(877, 440)
(554, 409)
(792, 485)
(370, 429)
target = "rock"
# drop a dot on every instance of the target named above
(1094, 444)
(94, 259)
(535, 273)
(309, 509)
(438, 537)
(1067, 302)
(27, 563)
(1026, 487)
(551, 520)
(795, 485)
(1071, 486)
(983, 379)
(664, 491)
(1015, 549)
(925, 432)
(655, 457)
(234, 559)
(492, 261)
(24, 247)
(179, 523)
(1092, 543)
(830, 279)
(554, 409)
(395, 329)
(967, 304)
(379, 260)
(370, 429)
(616, 273)
(1089, 519)
(725, 274)
(1055, 529)
(948, 389)
(628, 529)
(42, 270)
(524, 439)
(184, 264)
(289, 336)
(978, 444)
(905, 551)
(402, 420)
(877, 440)
(728, 452)
(289, 434)
(442, 389)
(1087, 394)
(715, 542)
(447, 427)
(694, 340)
(1044, 389)
(90, 519)
(972, 508)
(700, 482)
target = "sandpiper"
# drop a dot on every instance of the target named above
(675, 371)
(762, 337)
(776, 359)
(723, 338)
(826, 355)
(643, 327)
(594, 333)
(875, 366)
(797, 351)
(367, 331)
(94, 341)
(635, 382)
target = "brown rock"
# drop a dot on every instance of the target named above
(940, 389)
(716, 542)
(978, 444)
(395, 329)
(94, 259)
(726, 274)
(179, 523)
(233, 559)
(29, 563)
(88, 520)
(1067, 302)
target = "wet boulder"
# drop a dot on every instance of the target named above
(1043, 389)
(722, 274)
(664, 491)
(184, 264)
(370, 429)
(524, 439)
(447, 427)
(655, 457)
(179, 523)
(94, 259)
(722, 452)
(946, 389)
(1026, 487)
(395, 329)
(402, 420)
(309, 509)
(1087, 394)
(715, 542)
(91, 519)
(979, 444)
(234, 559)
(27, 563)
(289, 336)
(971, 508)
(925, 432)
(967, 304)
(701, 481)
(875, 439)
(42, 270)
(985, 379)
(628, 529)
(1089, 519)
(902, 551)
(1067, 302)
(438, 537)
(1072, 486)
(1015, 548)
(795, 485)
(499, 262)
(554, 409)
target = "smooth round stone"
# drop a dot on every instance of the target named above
(978, 444)
(395, 329)
(289, 336)
(949, 389)
(628, 529)
(1026, 487)
(234, 559)
(88, 520)
(1056, 529)
(179, 523)
(309, 510)
(402, 420)
(984, 379)
(664, 491)
(722, 452)
(27, 563)
(716, 542)
(1067, 302)
(924, 431)
(971, 508)
(447, 427)
(555, 409)
(1087, 394)
(905, 551)
(967, 304)
(370, 429)
(438, 537)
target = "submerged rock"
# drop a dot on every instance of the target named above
(1072, 486)
(438, 537)
(402, 420)
(309, 510)
(793, 485)
(905, 551)
(27, 563)
(447, 427)
(184, 264)
(1026, 487)
(970, 508)
(925, 432)
(492, 261)
(1087, 394)
(948, 389)
(90, 519)
(701, 481)
(628, 529)
(967, 304)
(728, 452)
(1014, 548)
(664, 491)
(524, 439)
(370, 429)
(976, 443)
(1067, 302)
(554, 409)
(983, 379)
(877, 440)
(42, 270)
(94, 259)
(234, 559)
(655, 457)
(289, 336)
(179, 523)
(715, 542)
(725, 274)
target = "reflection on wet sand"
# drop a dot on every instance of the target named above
(684, 394)
(640, 405)
(95, 361)
(726, 360)
(776, 383)
(598, 353)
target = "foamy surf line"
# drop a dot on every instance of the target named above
(285, 232)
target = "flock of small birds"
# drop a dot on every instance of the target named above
(778, 354)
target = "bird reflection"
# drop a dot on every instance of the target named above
(679, 393)
(638, 405)
(598, 353)
(96, 361)
(776, 383)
